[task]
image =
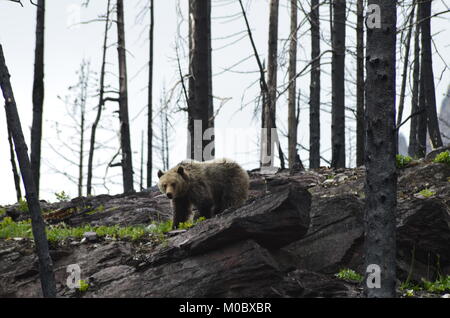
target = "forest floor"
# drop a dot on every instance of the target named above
(296, 236)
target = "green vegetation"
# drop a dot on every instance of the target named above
(84, 286)
(427, 193)
(100, 208)
(441, 285)
(443, 157)
(164, 227)
(62, 196)
(23, 206)
(2, 211)
(349, 274)
(402, 161)
(10, 229)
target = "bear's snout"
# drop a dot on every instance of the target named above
(169, 195)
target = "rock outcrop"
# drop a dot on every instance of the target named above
(289, 240)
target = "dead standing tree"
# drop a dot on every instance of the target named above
(426, 73)
(37, 223)
(101, 104)
(150, 99)
(125, 142)
(338, 85)
(38, 94)
(200, 114)
(294, 163)
(381, 175)
(314, 89)
(360, 140)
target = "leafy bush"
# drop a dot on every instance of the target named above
(443, 157)
(402, 161)
(2, 211)
(349, 274)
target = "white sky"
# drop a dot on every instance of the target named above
(67, 43)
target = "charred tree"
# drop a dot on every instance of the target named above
(360, 83)
(427, 76)
(413, 147)
(150, 99)
(37, 223)
(199, 108)
(314, 89)
(269, 107)
(292, 117)
(381, 175)
(13, 165)
(101, 104)
(125, 142)
(338, 85)
(38, 94)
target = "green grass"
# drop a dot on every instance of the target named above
(427, 193)
(2, 211)
(10, 229)
(164, 227)
(349, 274)
(443, 157)
(402, 161)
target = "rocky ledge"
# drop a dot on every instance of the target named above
(289, 240)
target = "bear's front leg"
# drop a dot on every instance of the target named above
(182, 210)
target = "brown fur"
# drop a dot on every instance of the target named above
(211, 186)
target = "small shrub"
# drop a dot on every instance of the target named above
(349, 274)
(62, 196)
(443, 157)
(440, 285)
(402, 161)
(427, 193)
(84, 286)
(2, 211)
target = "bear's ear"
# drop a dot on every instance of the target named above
(180, 170)
(160, 173)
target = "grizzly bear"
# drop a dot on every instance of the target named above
(211, 186)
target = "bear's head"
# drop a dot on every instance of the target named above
(173, 183)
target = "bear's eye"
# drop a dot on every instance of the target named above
(173, 185)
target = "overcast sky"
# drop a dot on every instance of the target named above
(67, 43)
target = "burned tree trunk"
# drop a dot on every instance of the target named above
(38, 94)
(150, 99)
(314, 89)
(125, 142)
(199, 107)
(101, 104)
(292, 118)
(381, 175)
(37, 223)
(269, 107)
(427, 76)
(413, 147)
(13, 165)
(338, 85)
(360, 83)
